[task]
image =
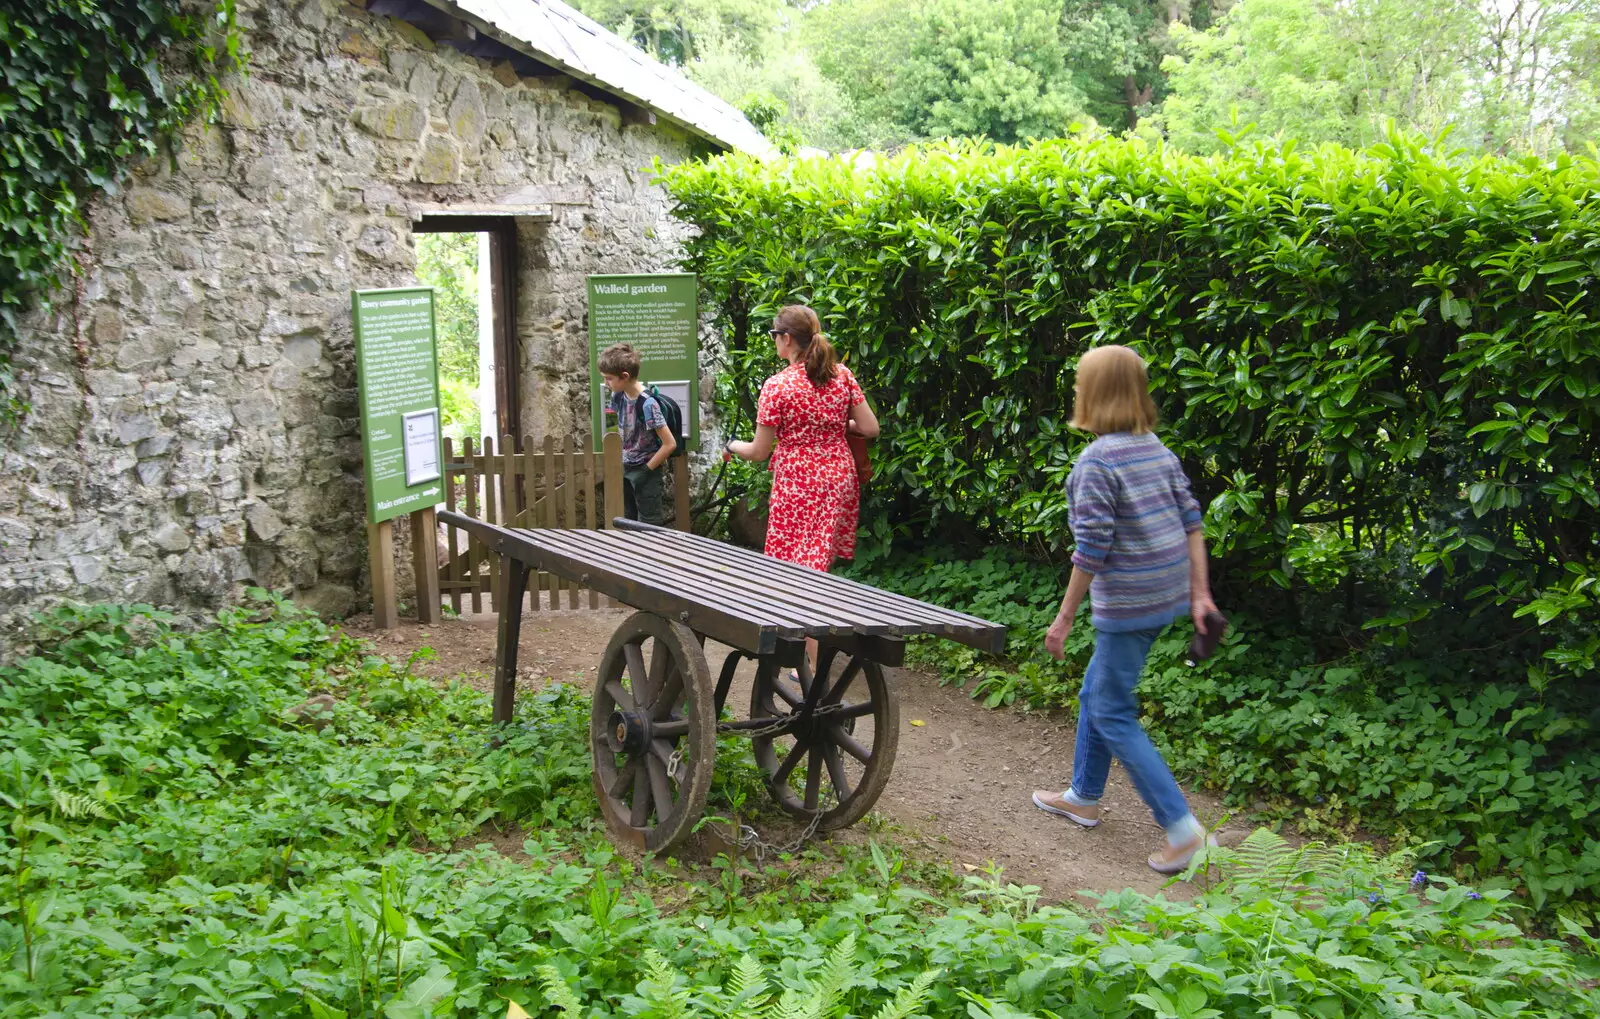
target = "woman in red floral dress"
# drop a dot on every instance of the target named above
(805, 411)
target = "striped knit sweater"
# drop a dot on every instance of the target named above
(1131, 510)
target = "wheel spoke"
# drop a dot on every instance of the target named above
(851, 671)
(781, 776)
(661, 663)
(854, 710)
(669, 697)
(624, 779)
(663, 752)
(848, 742)
(670, 729)
(813, 776)
(807, 678)
(777, 687)
(633, 654)
(660, 788)
(825, 658)
(841, 783)
(639, 816)
(620, 695)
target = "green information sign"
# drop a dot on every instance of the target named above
(397, 370)
(658, 315)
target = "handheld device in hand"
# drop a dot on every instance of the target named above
(1204, 645)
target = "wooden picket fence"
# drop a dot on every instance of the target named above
(559, 483)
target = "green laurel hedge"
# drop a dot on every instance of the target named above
(1381, 368)
(89, 87)
(1382, 371)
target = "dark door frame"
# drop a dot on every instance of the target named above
(502, 231)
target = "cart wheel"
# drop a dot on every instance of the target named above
(823, 763)
(652, 732)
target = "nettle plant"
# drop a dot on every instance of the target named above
(1381, 368)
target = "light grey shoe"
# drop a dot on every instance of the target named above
(1176, 859)
(1057, 803)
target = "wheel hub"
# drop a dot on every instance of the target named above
(627, 732)
(826, 715)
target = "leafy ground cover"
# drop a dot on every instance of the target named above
(178, 842)
(1485, 781)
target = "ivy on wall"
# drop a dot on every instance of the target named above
(86, 89)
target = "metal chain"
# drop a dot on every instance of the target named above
(782, 722)
(779, 726)
(750, 840)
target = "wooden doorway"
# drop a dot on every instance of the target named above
(500, 301)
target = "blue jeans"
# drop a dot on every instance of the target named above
(1108, 726)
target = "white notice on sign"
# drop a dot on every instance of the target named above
(679, 392)
(422, 446)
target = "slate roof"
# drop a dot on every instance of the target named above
(555, 34)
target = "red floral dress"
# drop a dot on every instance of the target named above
(816, 499)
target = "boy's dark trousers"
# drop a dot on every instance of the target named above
(641, 494)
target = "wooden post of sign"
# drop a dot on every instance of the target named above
(380, 556)
(425, 563)
(680, 492)
(570, 484)
(611, 445)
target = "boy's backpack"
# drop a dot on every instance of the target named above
(674, 415)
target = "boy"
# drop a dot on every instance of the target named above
(647, 442)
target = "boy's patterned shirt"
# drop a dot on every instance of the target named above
(638, 421)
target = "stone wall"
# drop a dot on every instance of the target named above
(194, 415)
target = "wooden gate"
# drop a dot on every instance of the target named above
(559, 483)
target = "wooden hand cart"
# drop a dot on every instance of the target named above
(825, 742)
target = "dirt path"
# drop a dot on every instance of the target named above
(961, 779)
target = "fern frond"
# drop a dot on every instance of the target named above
(746, 983)
(747, 977)
(1267, 863)
(908, 999)
(667, 1000)
(558, 994)
(1261, 853)
(78, 806)
(834, 978)
(792, 1004)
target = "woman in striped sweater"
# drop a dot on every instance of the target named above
(1141, 559)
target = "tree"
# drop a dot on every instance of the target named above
(995, 68)
(782, 92)
(1117, 47)
(1502, 74)
(674, 31)
(864, 46)
(1538, 64)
